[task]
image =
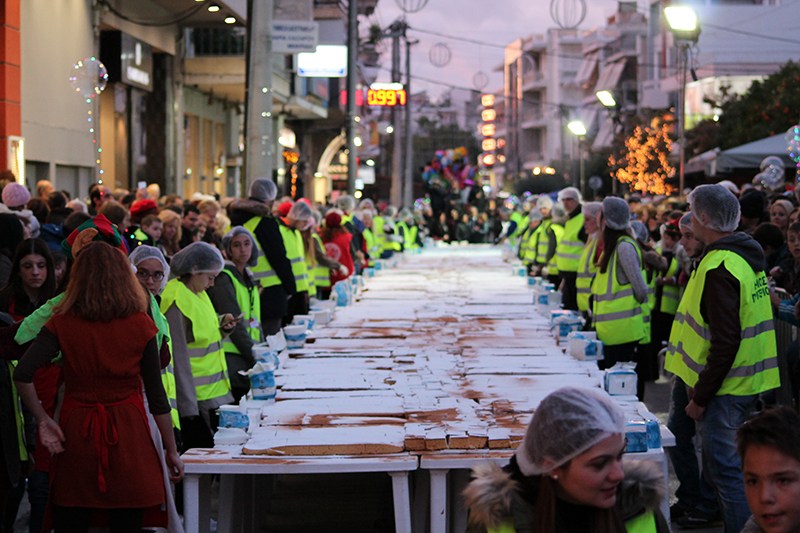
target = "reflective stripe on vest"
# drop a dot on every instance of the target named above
(207, 359)
(320, 274)
(262, 272)
(249, 302)
(568, 251)
(670, 294)
(643, 523)
(293, 242)
(167, 374)
(552, 265)
(617, 315)
(755, 367)
(586, 270)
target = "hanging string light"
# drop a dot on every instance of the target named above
(89, 78)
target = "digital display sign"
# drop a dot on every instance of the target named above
(386, 95)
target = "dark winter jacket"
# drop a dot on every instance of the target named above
(504, 495)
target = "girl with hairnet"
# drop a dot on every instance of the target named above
(567, 475)
(235, 291)
(152, 272)
(201, 371)
(297, 220)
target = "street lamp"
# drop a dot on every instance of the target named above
(578, 129)
(606, 98)
(685, 28)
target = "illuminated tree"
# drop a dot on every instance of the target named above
(643, 163)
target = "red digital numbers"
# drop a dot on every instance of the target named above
(386, 97)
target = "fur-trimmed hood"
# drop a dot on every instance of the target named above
(490, 495)
(243, 209)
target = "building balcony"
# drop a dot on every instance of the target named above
(533, 118)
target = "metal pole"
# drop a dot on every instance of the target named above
(408, 191)
(396, 189)
(684, 58)
(260, 148)
(581, 141)
(352, 53)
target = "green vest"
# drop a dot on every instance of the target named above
(387, 243)
(404, 229)
(411, 237)
(617, 316)
(568, 251)
(647, 307)
(517, 217)
(19, 420)
(379, 233)
(168, 373)
(527, 245)
(296, 253)
(670, 294)
(544, 241)
(209, 368)
(552, 264)
(643, 523)
(755, 368)
(372, 243)
(586, 271)
(263, 272)
(320, 274)
(249, 302)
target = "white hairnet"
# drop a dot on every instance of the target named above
(686, 220)
(718, 205)
(263, 189)
(544, 202)
(640, 231)
(616, 213)
(346, 203)
(227, 239)
(144, 252)
(390, 211)
(558, 213)
(568, 422)
(592, 209)
(197, 258)
(569, 192)
(300, 211)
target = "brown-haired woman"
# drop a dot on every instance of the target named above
(171, 234)
(104, 456)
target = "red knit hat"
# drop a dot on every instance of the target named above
(140, 207)
(284, 208)
(333, 219)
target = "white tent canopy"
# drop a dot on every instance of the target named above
(751, 154)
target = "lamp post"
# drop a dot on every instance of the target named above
(606, 98)
(685, 28)
(578, 129)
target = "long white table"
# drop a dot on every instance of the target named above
(448, 343)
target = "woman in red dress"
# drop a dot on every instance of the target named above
(104, 457)
(337, 245)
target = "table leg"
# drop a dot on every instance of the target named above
(459, 479)
(665, 472)
(204, 512)
(228, 507)
(402, 502)
(191, 504)
(438, 500)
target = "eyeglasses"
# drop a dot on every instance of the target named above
(144, 274)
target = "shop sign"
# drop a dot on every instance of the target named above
(293, 36)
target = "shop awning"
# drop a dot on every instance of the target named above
(610, 76)
(751, 154)
(587, 69)
(605, 135)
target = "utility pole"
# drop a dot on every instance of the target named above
(260, 146)
(408, 190)
(352, 55)
(396, 31)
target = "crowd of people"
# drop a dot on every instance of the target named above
(180, 290)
